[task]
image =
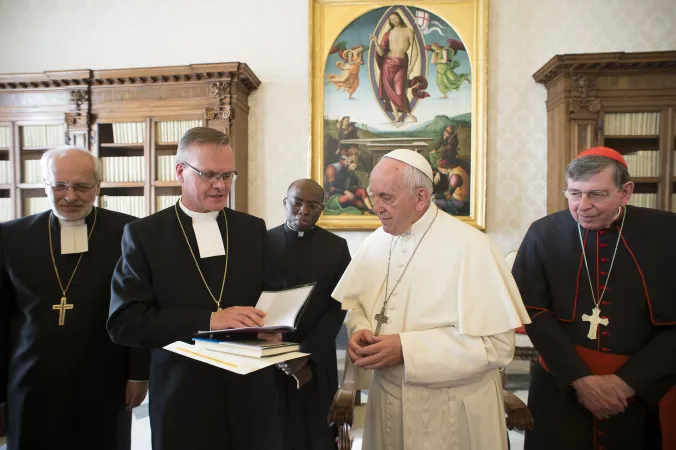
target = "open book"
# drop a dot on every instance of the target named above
(283, 312)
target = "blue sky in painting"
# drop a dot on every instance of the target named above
(364, 107)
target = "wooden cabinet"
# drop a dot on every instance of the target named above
(626, 101)
(131, 118)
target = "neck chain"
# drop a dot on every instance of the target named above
(63, 305)
(595, 319)
(227, 254)
(382, 317)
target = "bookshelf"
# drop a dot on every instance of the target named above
(625, 101)
(132, 119)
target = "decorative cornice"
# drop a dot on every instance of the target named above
(45, 80)
(177, 74)
(604, 62)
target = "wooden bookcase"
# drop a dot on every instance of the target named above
(132, 119)
(626, 101)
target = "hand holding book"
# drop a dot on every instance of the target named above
(237, 317)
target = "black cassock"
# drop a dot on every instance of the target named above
(322, 257)
(640, 304)
(65, 385)
(159, 298)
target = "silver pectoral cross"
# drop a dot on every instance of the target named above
(381, 318)
(594, 321)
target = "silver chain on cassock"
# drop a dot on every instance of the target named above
(381, 317)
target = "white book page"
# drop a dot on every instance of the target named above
(282, 307)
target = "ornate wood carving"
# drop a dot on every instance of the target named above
(222, 112)
(582, 96)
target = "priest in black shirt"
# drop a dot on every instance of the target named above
(66, 385)
(305, 253)
(599, 284)
(197, 266)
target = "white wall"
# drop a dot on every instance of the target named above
(271, 36)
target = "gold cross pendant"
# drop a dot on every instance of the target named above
(62, 307)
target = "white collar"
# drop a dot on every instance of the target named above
(71, 223)
(419, 227)
(300, 233)
(198, 216)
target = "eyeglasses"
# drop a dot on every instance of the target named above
(79, 188)
(311, 206)
(593, 196)
(227, 177)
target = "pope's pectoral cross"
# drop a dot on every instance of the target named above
(62, 307)
(381, 318)
(594, 321)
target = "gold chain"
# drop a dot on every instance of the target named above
(51, 251)
(227, 253)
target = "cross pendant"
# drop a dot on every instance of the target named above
(594, 321)
(381, 318)
(62, 307)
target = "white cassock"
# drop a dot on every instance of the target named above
(455, 310)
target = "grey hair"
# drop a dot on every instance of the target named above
(415, 179)
(50, 155)
(199, 134)
(582, 169)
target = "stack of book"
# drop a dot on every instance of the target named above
(253, 348)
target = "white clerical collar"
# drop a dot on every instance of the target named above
(300, 233)
(207, 232)
(73, 236)
(419, 227)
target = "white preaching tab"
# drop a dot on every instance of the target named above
(73, 236)
(207, 233)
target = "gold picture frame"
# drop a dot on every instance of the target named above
(333, 24)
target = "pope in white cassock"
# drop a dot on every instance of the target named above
(433, 312)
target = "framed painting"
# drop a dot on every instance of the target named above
(386, 75)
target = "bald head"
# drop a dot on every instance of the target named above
(309, 188)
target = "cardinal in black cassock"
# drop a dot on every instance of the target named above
(304, 253)
(167, 286)
(604, 321)
(65, 382)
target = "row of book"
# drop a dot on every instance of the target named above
(43, 135)
(34, 205)
(166, 201)
(631, 124)
(166, 167)
(171, 131)
(32, 172)
(123, 169)
(644, 163)
(5, 172)
(129, 132)
(134, 205)
(4, 137)
(644, 200)
(6, 209)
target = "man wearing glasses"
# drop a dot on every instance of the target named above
(598, 283)
(197, 266)
(305, 253)
(65, 384)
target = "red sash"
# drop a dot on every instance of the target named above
(606, 364)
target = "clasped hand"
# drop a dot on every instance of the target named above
(241, 317)
(375, 352)
(603, 395)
